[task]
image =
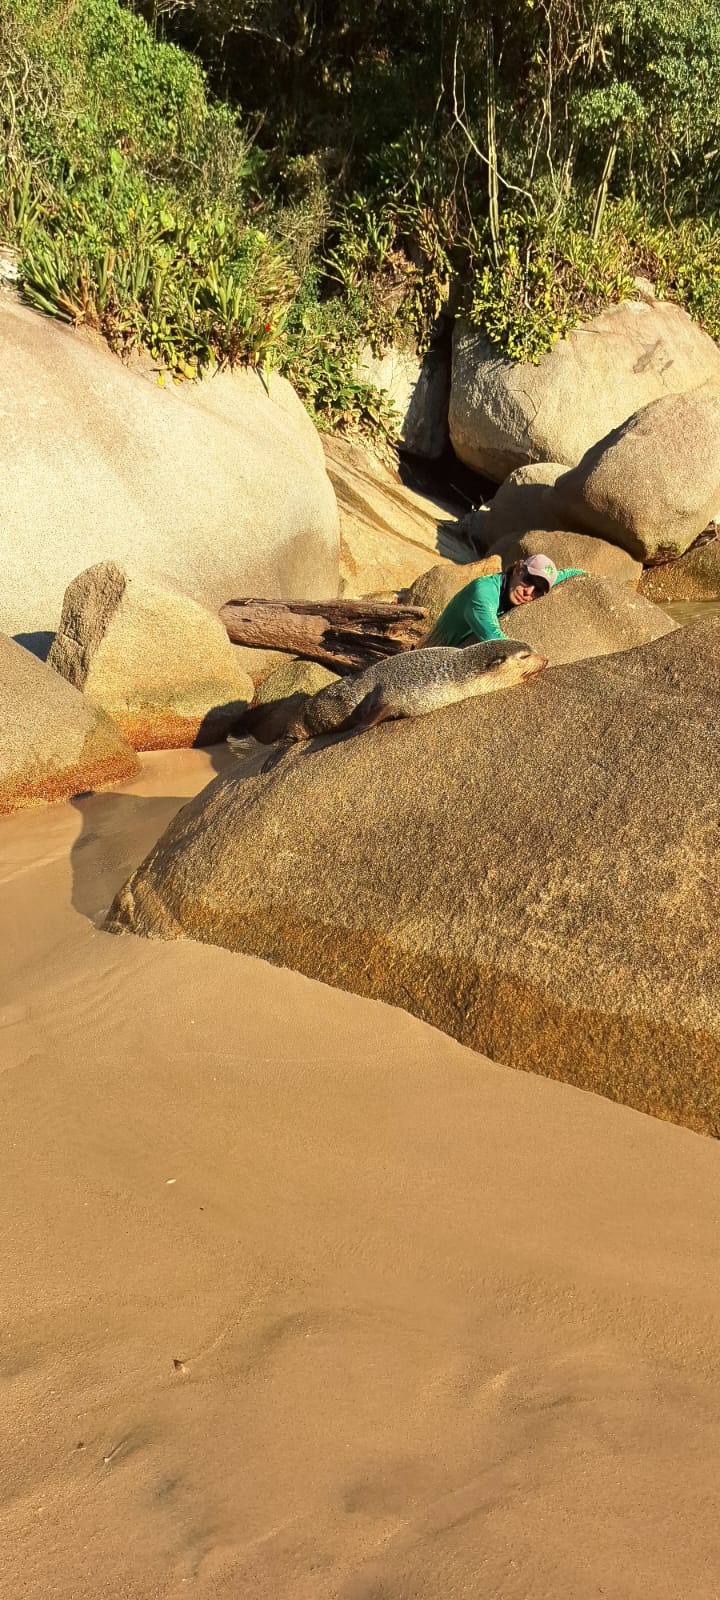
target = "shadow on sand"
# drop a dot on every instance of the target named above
(118, 831)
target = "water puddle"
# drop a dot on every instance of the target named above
(684, 611)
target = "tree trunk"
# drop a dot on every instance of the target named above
(342, 634)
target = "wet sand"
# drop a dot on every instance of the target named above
(302, 1300)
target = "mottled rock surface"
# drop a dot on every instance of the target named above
(53, 742)
(536, 873)
(505, 414)
(159, 664)
(695, 576)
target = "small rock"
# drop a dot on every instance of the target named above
(159, 664)
(282, 695)
(436, 587)
(53, 742)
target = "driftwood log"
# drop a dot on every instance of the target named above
(342, 634)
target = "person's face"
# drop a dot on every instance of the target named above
(523, 588)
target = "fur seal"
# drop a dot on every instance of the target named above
(412, 684)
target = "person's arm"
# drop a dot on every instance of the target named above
(570, 572)
(481, 609)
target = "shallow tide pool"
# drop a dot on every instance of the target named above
(684, 611)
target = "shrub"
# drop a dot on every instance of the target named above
(132, 199)
(550, 273)
(403, 148)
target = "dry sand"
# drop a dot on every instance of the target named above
(301, 1299)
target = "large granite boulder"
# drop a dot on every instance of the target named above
(524, 503)
(595, 556)
(653, 484)
(161, 665)
(586, 617)
(389, 532)
(505, 414)
(216, 486)
(258, 664)
(694, 576)
(536, 873)
(418, 386)
(53, 742)
(435, 588)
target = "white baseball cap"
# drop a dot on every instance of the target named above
(542, 567)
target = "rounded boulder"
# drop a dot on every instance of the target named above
(218, 486)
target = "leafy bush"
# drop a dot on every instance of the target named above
(133, 201)
(533, 156)
(320, 357)
(172, 283)
(547, 275)
(551, 273)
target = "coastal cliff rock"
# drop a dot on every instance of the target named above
(159, 664)
(535, 872)
(215, 486)
(505, 414)
(53, 742)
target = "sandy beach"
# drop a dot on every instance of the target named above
(303, 1300)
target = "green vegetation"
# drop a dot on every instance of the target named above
(133, 200)
(281, 181)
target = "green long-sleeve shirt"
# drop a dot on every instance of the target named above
(474, 611)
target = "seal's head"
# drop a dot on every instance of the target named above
(505, 662)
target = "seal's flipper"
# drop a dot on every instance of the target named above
(242, 744)
(277, 752)
(372, 710)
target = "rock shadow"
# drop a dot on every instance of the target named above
(39, 644)
(118, 831)
(454, 545)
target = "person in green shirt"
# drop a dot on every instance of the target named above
(473, 613)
